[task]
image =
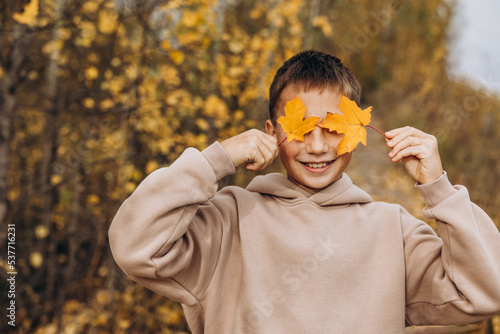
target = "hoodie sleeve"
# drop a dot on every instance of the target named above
(168, 233)
(454, 279)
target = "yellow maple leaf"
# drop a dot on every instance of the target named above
(293, 123)
(351, 124)
(29, 14)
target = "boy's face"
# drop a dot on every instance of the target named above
(312, 164)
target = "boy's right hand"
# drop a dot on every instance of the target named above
(253, 148)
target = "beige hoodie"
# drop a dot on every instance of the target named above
(273, 258)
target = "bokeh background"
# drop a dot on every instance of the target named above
(96, 94)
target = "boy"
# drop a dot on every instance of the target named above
(310, 252)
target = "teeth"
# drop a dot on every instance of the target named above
(323, 164)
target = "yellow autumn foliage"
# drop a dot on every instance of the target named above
(190, 18)
(41, 231)
(90, 7)
(30, 12)
(91, 73)
(88, 102)
(215, 106)
(107, 23)
(177, 57)
(36, 259)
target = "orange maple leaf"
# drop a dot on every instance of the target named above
(351, 124)
(293, 123)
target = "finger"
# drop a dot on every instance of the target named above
(263, 150)
(250, 166)
(273, 139)
(271, 142)
(255, 162)
(271, 146)
(410, 151)
(267, 154)
(259, 157)
(399, 134)
(404, 143)
(273, 149)
(428, 146)
(392, 133)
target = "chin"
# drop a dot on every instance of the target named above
(316, 185)
(322, 185)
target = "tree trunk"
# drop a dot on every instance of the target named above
(53, 107)
(313, 13)
(11, 70)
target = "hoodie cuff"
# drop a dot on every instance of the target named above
(436, 191)
(219, 160)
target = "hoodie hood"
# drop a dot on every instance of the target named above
(339, 193)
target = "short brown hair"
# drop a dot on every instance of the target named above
(312, 70)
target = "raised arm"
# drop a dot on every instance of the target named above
(456, 278)
(167, 234)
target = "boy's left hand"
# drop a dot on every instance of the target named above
(418, 151)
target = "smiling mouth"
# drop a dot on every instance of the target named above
(317, 164)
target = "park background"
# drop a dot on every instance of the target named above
(96, 94)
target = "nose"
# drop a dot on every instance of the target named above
(315, 141)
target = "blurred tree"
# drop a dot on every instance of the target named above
(105, 94)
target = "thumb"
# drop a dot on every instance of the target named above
(250, 165)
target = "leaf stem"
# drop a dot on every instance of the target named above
(282, 142)
(374, 128)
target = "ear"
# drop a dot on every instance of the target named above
(270, 128)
